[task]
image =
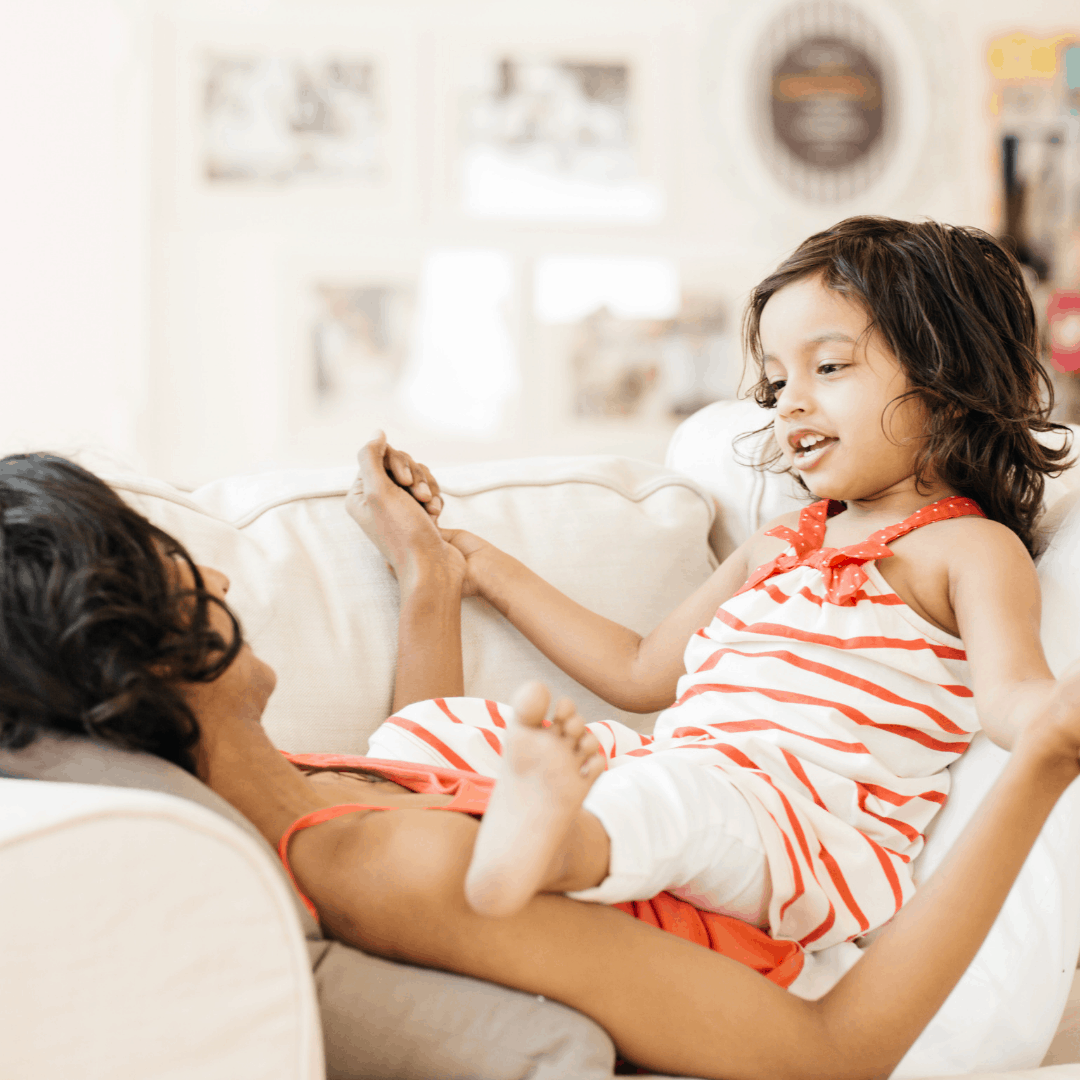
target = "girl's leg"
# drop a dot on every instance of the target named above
(661, 822)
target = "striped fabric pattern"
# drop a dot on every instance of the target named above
(835, 709)
(830, 703)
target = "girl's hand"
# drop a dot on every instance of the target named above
(395, 501)
(469, 547)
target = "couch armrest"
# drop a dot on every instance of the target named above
(143, 936)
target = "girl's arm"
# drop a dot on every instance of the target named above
(995, 595)
(627, 670)
(385, 503)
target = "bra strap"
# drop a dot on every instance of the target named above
(316, 817)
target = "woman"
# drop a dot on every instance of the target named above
(107, 628)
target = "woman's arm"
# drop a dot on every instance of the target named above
(670, 1005)
(429, 571)
(627, 670)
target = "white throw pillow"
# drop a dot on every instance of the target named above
(625, 538)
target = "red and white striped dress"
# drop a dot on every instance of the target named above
(830, 704)
(838, 709)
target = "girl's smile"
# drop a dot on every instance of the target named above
(842, 422)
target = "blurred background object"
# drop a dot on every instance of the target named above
(1036, 103)
(245, 233)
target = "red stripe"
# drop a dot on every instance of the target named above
(898, 800)
(779, 630)
(496, 716)
(780, 597)
(735, 754)
(492, 740)
(795, 765)
(432, 741)
(902, 827)
(959, 691)
(890, 870)
(847, 679)
(787, 696)
(796, 871)
(441, 702)
(842, 888)
(885, 794)
(800, 836)
(770, 725)
(823, 929)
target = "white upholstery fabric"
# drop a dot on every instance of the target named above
(119, 963)
(625, 538)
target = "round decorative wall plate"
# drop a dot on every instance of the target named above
(825, 100)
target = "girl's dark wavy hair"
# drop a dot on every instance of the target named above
(94, 632)
(953, 307)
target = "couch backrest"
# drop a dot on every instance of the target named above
(625, 538)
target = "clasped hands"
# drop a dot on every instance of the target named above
(397, 502)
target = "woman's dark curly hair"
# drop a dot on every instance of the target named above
(94, 631)
(952, 306)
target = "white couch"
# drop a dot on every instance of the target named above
(146, 936)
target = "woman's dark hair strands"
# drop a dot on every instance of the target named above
(94, 633)
(952, 305)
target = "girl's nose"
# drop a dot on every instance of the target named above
(793, 398)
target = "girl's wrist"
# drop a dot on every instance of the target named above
(430, 574)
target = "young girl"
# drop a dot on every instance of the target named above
(843, 656)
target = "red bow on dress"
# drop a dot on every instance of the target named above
(840, 567)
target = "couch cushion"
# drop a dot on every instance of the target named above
(380, 1020)
(625, 538)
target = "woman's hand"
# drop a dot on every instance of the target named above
(395, 501)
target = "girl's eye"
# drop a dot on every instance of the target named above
(828, 369)
(777, 386)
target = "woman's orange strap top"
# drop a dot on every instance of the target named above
(778, 961)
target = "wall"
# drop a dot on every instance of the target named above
(144, 318)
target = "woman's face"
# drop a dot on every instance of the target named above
(245, 686)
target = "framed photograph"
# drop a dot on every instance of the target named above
(289, 125)
(349, 316)
(360, 335)
(639, 340)
(547, 132)
(285, 118)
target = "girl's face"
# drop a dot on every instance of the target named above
(835, 420)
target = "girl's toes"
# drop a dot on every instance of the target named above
(531, 704)
(593, 766)
(588, 744)
(574, 728)
(564, 709)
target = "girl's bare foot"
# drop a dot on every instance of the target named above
(546, 773)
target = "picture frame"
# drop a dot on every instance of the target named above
(286, 124)
(537, 132)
